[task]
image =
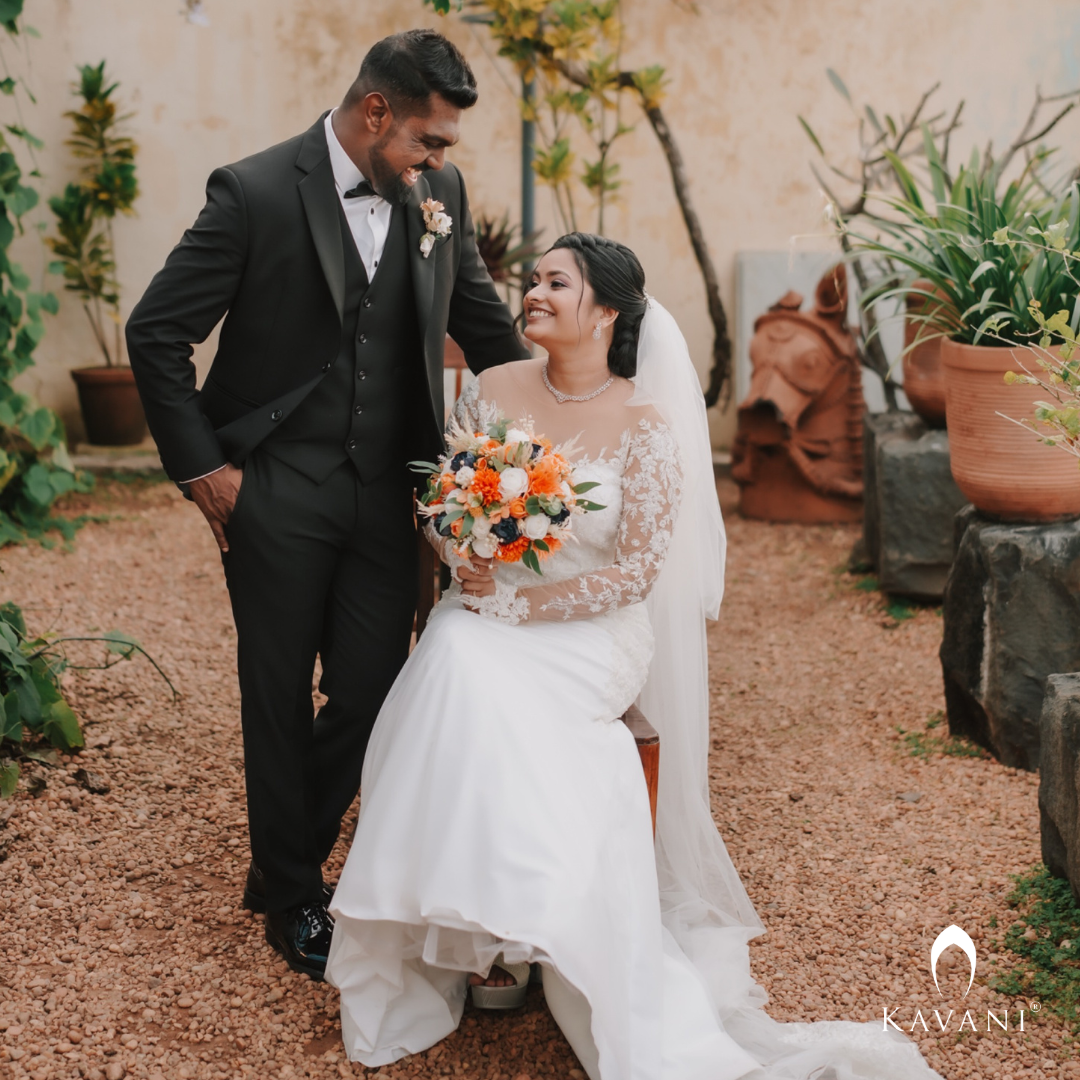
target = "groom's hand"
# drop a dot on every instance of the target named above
(215, 495)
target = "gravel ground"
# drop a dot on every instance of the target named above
(125, 951)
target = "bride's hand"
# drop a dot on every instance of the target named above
(477, 577)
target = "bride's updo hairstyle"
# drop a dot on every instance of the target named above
(618, 282)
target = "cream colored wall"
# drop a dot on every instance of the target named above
(740, 72)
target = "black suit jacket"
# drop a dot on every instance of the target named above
(266, 253)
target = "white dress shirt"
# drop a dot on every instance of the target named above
(368, 216)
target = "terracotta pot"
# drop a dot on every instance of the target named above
(1003, 469)
(924, 379)
(111, 408)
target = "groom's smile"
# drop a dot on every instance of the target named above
(394, 149)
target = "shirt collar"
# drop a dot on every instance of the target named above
(346, 174)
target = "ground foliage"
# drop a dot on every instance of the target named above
(1046, 938)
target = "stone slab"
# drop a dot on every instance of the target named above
(910, 504)
(141, 458)
(1059, 778)
(1011, 620)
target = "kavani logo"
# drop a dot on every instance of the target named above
(952, 936)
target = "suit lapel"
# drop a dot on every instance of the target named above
(422, 270)
(319, 196)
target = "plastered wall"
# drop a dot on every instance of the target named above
(740, 72)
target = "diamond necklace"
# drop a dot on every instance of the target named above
(560, 397)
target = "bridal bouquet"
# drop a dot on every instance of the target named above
(506, 493)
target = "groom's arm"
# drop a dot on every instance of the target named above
(480, 322)
(184, 302)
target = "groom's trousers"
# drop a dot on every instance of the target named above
(314, 569)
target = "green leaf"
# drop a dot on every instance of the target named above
(125, 645)
(531, 561)
(591, 505)
(10, 10)
(811, 136)
(9, 778)
(542, 545)
(580, 489)
(838, 83)
(11, 726)
(46, 757)
(39, 426)
(61, 726)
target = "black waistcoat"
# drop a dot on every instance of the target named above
(364, 409)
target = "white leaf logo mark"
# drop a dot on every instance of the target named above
(953, 935)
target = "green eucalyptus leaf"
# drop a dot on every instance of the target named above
(9, 778)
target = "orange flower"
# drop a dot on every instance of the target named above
(513, 551)
(544, 478)
(455, 527)
(499, 513)
(517, 508)
(553, 543)
(485, 483)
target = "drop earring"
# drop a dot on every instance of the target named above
(597, 330)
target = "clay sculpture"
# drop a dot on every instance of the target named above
(798, 451)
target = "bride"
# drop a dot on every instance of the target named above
(504, 815)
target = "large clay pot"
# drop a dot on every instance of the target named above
(924, 379)
(111, 408)
(1002, 468)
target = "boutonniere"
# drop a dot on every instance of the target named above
(436, 222)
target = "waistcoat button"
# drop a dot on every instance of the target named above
(351, 444)
(276, 414)
(358, 409)
(361, 374)
(326, 366)
(362, 339)
(367, 301)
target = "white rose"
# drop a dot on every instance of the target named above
(535, 526)
(485, 546)
(464, 476)
(512, 483)
(427, 242)
(440, 223)
(516, 435)
(481, 526)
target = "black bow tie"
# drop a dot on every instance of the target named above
(361, 190)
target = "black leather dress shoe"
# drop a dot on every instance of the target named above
(255, 891)
(302, 936)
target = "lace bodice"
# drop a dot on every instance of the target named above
(615, 553)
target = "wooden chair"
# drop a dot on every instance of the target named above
(645, 735)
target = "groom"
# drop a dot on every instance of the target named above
(337, 291)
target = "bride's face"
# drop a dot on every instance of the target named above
(560, 307)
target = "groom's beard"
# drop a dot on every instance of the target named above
(387, 183)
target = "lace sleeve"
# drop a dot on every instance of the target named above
(652, 486)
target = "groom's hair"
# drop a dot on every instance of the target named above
(408, 68)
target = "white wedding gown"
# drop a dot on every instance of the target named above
(504, 810)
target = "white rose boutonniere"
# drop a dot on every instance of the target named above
(436, 221)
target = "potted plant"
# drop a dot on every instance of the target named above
(980, 288)
(85, 255)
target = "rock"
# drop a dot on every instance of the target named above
(94, 782)
(1059, 797)
(910, 504)
(114, 1071)
(1012, 619)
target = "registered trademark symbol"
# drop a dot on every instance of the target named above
(1035, 1006)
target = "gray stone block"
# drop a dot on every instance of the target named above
(1012, 619)
(910, 504)
(1059, 778)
